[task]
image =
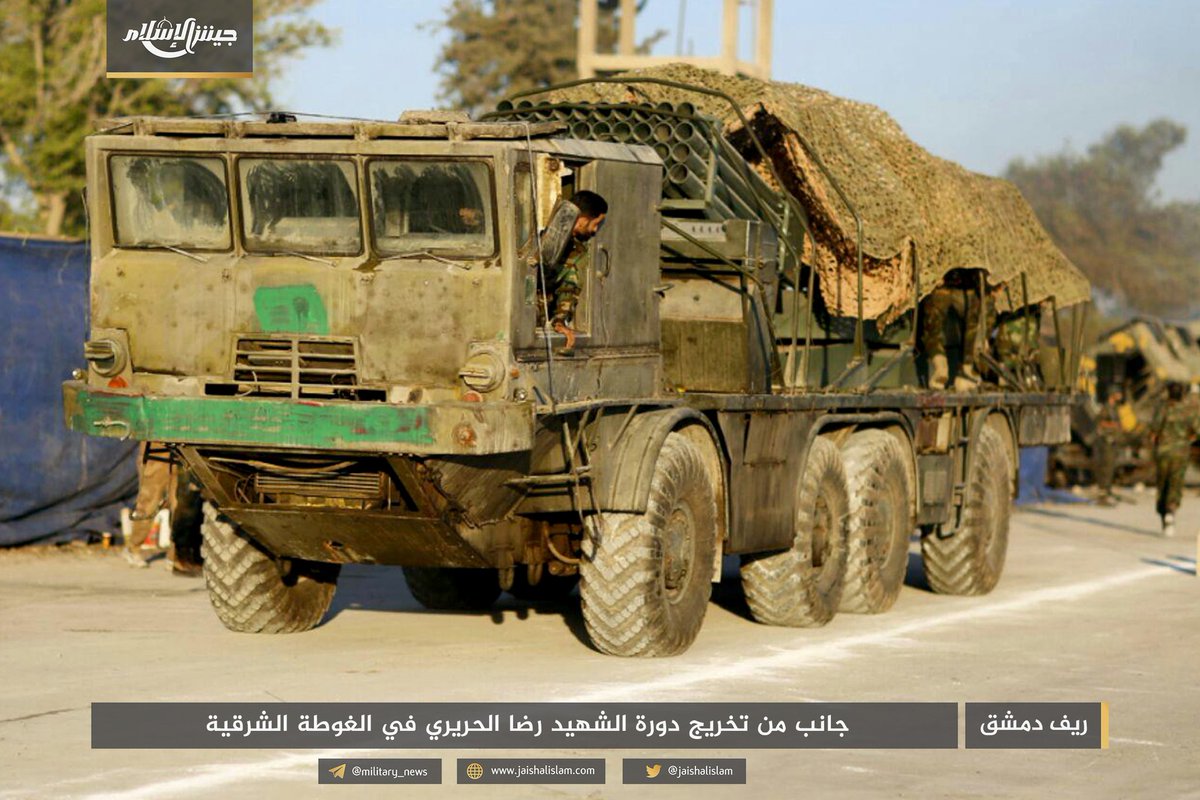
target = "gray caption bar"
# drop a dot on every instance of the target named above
(528, 726)
(396, 771)
(1055, 726)
(667, 771)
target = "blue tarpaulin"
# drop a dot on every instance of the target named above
(54, 483)
(1033, 488)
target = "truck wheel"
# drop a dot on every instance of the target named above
(880, 522)
(254, 593)
(549, 588)
(646, 581)
(970, 560)
(801, 587)
(450, 589)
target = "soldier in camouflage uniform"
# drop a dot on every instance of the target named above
(564, 284)
(1016, 334)
(1107, 442)
(1176, 425)
(958, 296)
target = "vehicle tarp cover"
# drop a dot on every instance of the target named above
(908, 200)
(54, 483)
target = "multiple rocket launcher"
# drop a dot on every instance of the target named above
(702, 171)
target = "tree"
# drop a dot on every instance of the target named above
(498, 47)
(53, 91)
(1102, 211)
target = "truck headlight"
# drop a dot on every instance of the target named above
(106, 356)
(483, 372)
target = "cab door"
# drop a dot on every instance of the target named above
(619, 306)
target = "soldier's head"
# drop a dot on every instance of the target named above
(1175, 390)
(592, 210)
(471, 218)
(1116, 396)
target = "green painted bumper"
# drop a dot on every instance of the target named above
(445, 428)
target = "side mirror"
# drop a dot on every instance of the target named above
(556, 238)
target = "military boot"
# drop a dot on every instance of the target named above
(1168, 525)
(939, 372)
(964, 384)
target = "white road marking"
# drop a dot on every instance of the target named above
(1135, 741)
(727, 672)
(208, 777)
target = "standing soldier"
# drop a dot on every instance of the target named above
(1176, 425)
(958, 296)
(1108, 437)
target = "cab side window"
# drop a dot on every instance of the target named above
(523, 203)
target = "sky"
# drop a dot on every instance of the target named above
(977, 81)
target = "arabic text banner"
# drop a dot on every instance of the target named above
(528, 726)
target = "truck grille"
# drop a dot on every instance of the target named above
(353, 486)
(296, 366)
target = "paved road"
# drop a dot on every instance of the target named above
(1092, 606)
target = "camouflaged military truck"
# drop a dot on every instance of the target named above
(334, 326)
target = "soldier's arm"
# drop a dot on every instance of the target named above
(1156, 425)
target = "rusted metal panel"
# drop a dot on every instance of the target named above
(935, 432)
(935, 476)
(766, 458)
(1039, 426)
(480, 487)
(366, 537)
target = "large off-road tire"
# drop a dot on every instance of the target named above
(881, 521)
(549, 587)
(450, 589)
(801, 587)
(970, 560)
(646, 578)
(254, 593)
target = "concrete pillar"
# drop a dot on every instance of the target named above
(589, 13)
(627, 39)
(762, 38)
(729, 37)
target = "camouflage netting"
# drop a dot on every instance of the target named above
(908, 200)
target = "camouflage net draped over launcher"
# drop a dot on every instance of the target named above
(904, 195)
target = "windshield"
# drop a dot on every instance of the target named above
(169, 201)
(300, 205)
(437, 206)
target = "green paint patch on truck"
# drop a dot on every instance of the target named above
(249, 421)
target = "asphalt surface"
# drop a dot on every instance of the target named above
(1092, 606)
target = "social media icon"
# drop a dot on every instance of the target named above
(652, 770)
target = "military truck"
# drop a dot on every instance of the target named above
(334, 325)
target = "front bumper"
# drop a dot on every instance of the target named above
(445, 428)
